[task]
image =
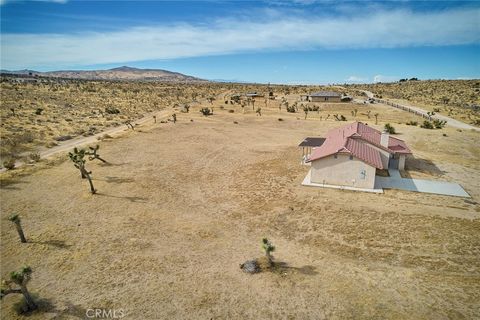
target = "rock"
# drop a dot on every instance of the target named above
(250, 266)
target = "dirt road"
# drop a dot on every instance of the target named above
(81, 141)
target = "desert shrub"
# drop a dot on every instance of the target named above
(412, 123)
(340, 117)
(389, 128)
(427, 125)
(231, 111)
(291, 109)
(439, 124)
(38, 111)
(34, 156)
(436, 109)
(112, 110)
(206, 111)
(9, 163)
(311, 108)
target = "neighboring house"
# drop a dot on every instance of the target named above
(324, 96)
(253, 95)
(351, 155)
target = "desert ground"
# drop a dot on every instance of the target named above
(181, 205)
(459, 99)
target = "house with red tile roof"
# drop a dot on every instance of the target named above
(352, 154)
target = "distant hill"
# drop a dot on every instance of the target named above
(121, 73)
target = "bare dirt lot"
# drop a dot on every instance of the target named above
(182, 205)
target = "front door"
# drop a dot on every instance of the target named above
(393, 163)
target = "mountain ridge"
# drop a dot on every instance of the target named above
(119, 73)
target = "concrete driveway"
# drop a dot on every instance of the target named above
(395, 181)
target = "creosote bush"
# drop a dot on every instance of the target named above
(206, 111)
(112, 110)
(9, 163)
(389, 128)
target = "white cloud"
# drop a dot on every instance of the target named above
(356, 79)
(383, 29)
(382, 78)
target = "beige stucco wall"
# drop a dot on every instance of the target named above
(343, 172)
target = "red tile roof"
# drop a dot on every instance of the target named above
(354, 139)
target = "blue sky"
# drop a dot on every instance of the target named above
(301, 41)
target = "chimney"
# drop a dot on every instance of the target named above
(384, 138)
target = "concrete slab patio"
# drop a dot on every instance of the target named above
(395, 181)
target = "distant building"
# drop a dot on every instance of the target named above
(254, 95)
(324, 96)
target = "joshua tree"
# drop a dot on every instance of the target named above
(259, 112)
(430, 114)
(154, 119)
(16, 220)
(368, 113)
(20, 278)
(305, 109)
(253, 104)
(174, 117)
(376, 118)
(235, 99)
(77, 157)
(129, 124)
(93, 154)
(268, 247)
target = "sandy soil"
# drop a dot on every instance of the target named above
(182, 205)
